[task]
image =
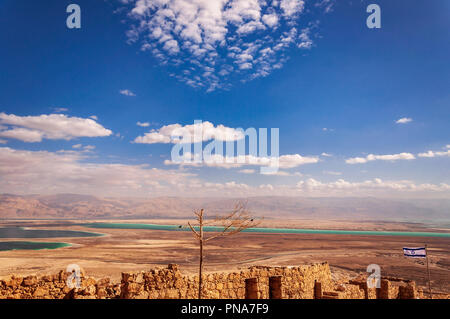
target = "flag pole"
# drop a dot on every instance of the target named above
(428, 270)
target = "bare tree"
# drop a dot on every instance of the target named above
(229, 224)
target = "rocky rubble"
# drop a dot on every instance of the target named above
(55, 287)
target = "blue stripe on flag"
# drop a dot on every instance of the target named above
(416, 252)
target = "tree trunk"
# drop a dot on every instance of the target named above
(201, 255)
(200, 271)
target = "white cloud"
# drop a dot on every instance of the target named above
(271, 20)
(374, 186)
(127, 92)
(144, 124)
(313, 187)
(52, 126)
(291, 7)
(326, 4)
(192, 133)
(404, 120)
(23, 134)
(217, 160)
(42, 172)
(84, 149)
(202, 38)
(171, 46)
(306, 42)
(372, 157)
(434, 154)
(294, 160)
(326, 154)
(277, 173)
(89, 147)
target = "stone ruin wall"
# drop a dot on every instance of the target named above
(302, 282)
(297, 283)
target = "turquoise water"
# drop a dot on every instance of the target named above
(19, 232)
(30, 245)
(270, 230)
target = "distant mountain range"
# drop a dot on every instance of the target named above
(72, 206)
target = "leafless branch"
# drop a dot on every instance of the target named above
(234, 222)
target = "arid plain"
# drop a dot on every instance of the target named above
(140, 249)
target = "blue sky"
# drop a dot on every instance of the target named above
(336, 88)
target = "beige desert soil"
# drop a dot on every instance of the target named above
(135, 250)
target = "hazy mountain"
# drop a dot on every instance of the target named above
(354, 208)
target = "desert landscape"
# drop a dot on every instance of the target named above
(122, 250)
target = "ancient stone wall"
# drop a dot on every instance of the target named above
(297, 282)
(302, 282)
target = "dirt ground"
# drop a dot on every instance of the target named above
(131, 250)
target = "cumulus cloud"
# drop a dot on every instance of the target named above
(271, 20)
(204, 40)
(192, 133)
(127, 93)
(404, 120)
(52, 126)
(22, 134)
(291, 7)
(372, 157)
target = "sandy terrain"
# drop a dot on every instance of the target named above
(128, 249)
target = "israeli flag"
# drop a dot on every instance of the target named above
(419, 252)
